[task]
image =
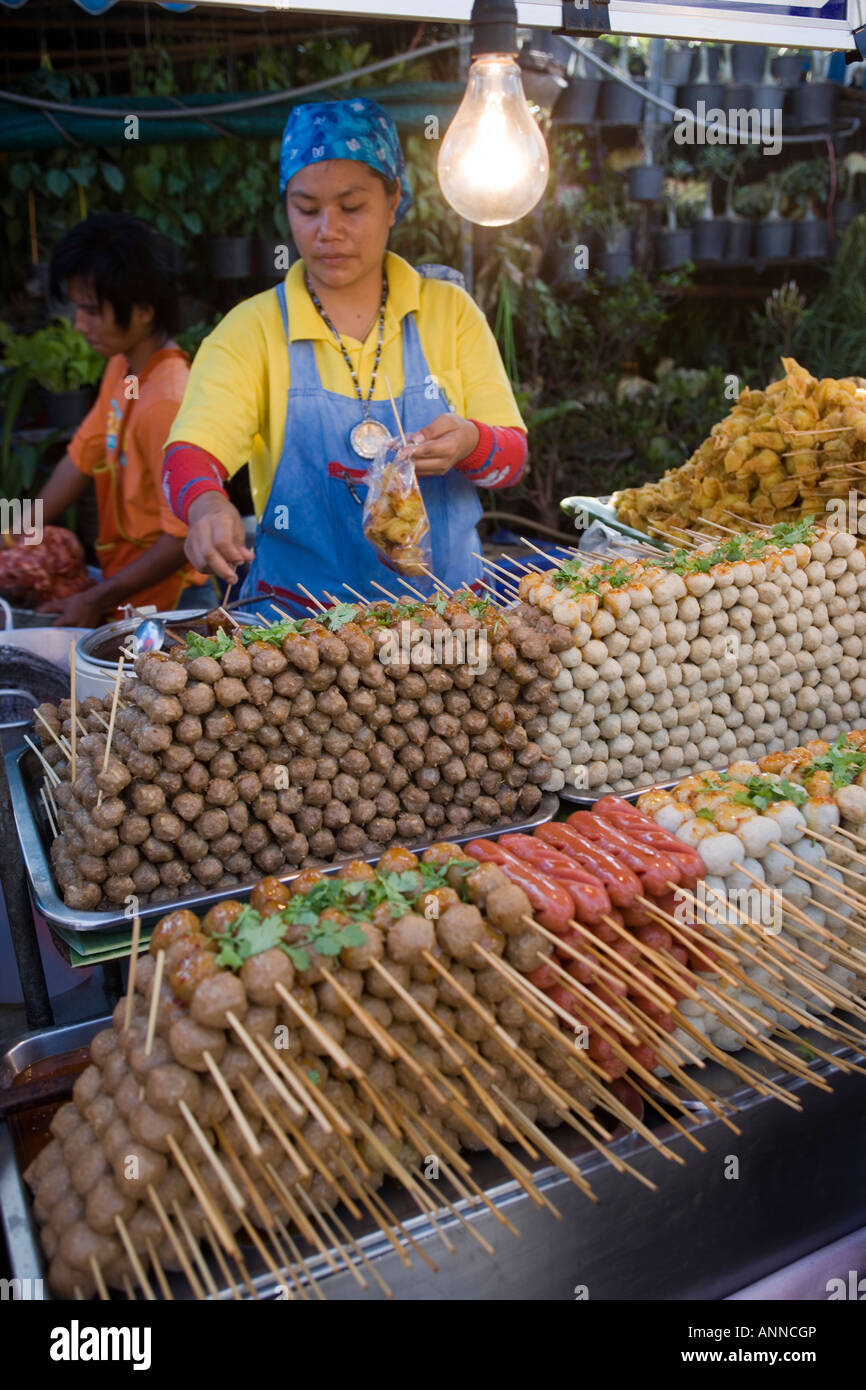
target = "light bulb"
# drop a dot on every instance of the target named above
(493, 164)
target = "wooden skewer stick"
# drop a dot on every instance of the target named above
(61, 742)
(189, 1237)
(396, 412)
(99, 1279)
(132, 1256)
(428, 1021)
(462, 1183)
(111, 718)
(289, 1149)
(355, 594)
(183, 1261)
(47, 804)
(315, 602)
(309, 1095)
(133, 967)
(203, 1197)
(156, 1265)
(156, 986)
(316, 1161)
(213, 1158)
(382, 590)
(257, 1055)
(337, 1053)
(128, 1289)
(237, 1113)
(440, 583)
(49, 770)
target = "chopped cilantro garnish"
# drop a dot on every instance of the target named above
(335, 618)
(762, 791)
(704, 814)
(844, 761)
(208, 646)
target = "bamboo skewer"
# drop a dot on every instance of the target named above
(203, 1196)
(156, 1265)
(198, 1256)
(264, 1065)
(237, 1113)
(47, 804)
(133, 967)
(61, 742)
(132, 1256)
(111, 718)
(213, 1158)
(99, 1279)
(49, 770)
(73, 708)
(156, 986)
(315, 602)
(177, 1247)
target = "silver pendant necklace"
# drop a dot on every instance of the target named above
(368, 436)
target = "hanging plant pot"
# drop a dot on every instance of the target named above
(614, 265)
(65, 410)
(787, 68)
(769, 101)
(645, 183)
(844, 213)
(230, 257)
(712, 94)
(619, 104)
(747, 61)
(708, 239)
(738, 97)
(673, 248)
(709, 54)
(814, 104)
(578, 102)
(811, 237)
(774, 239)
(738, 239)
(678, 65)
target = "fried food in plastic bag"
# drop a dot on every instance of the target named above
(395, 519)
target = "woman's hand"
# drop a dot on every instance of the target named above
(215, 541)
(447, 440)
(86, 609)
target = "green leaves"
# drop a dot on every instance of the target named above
(57, 182)
(844, 761)
(763, 791)
(335, 618)
(208, 646)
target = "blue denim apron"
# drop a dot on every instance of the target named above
(310, 531)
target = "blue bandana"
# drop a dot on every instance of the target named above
(358, 129)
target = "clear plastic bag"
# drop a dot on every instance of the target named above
(395, 519)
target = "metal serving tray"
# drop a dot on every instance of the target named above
(586, 800)
(34, 832)
(643, 1247)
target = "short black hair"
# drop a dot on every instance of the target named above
(391, 185)
(127, 261)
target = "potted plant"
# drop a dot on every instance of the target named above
(227, 190)
(814, 101)
(738, 241)
(620, 105)
(747, 62)
(544, 61)
(774, 234)
(703, 87)
(846, 208)
(766, 93)
(578, 101)
(787, 67)
(673, 243)
(709, 233)
(63, 364)
(646, 180)
(807, 185)
(678, 63)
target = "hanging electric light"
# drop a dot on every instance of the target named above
(493, 164)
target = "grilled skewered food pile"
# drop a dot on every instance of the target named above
(284, 1058)
(684, 663)
(780, 455)
(300, 743)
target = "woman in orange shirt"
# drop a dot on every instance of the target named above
(115, 273)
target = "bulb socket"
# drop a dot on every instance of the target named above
(494, 27)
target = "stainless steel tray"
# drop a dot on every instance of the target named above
(586, 800)
(642, 1247)
(34, 832)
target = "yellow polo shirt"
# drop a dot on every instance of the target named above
(235, 401)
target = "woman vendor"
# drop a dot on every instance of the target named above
(295, 381)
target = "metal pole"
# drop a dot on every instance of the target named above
(13, 879)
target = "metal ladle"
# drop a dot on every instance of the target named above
(149, 636)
